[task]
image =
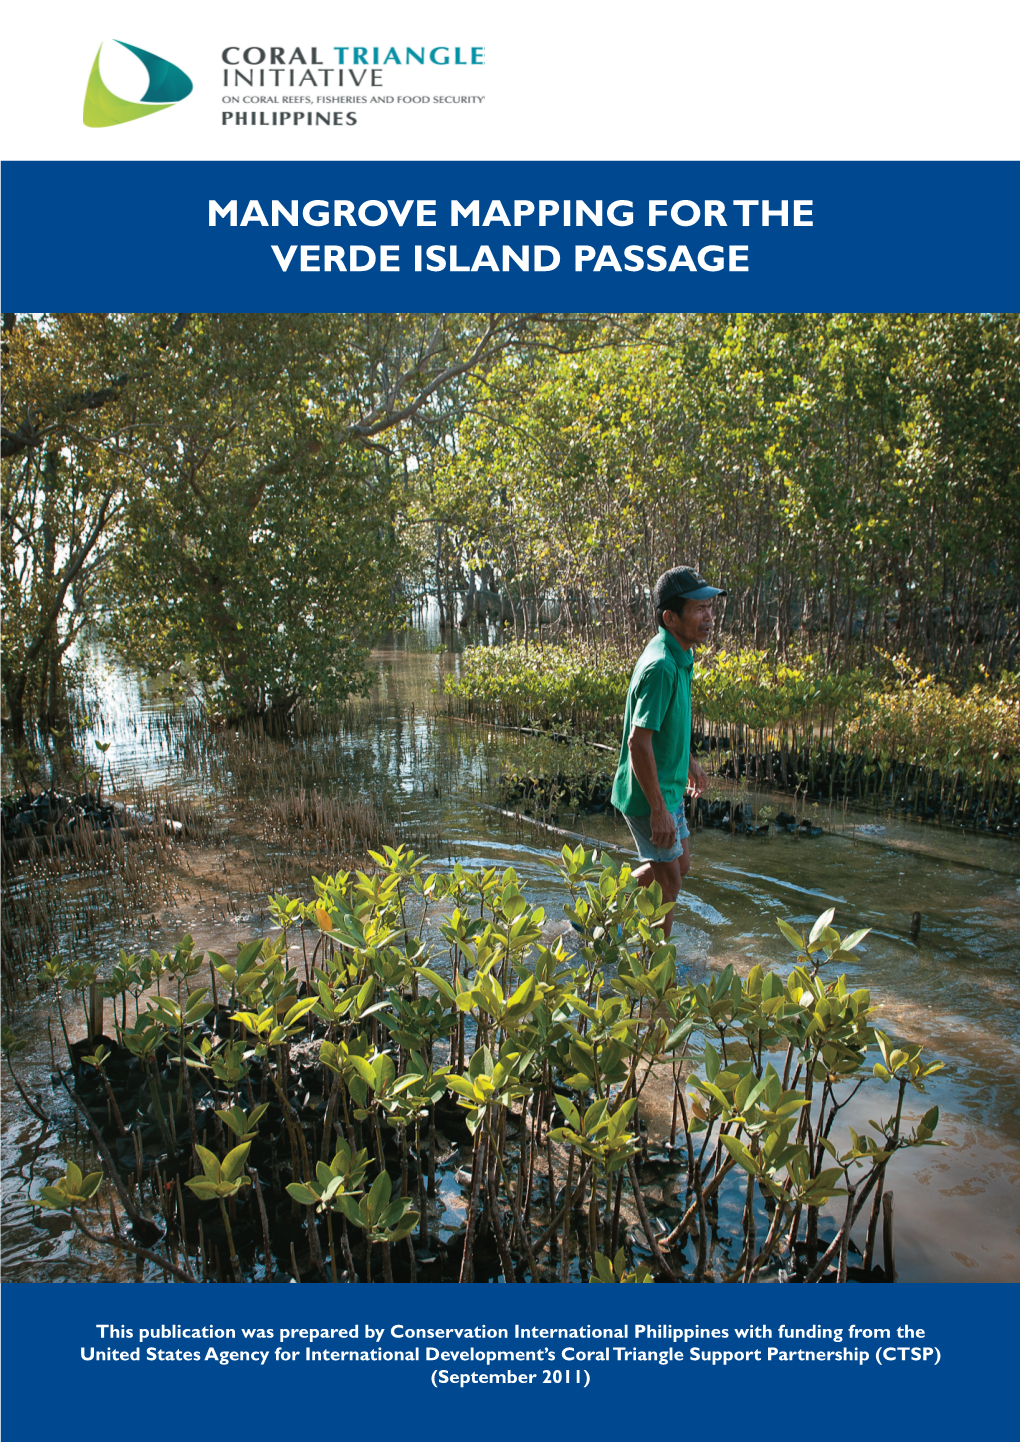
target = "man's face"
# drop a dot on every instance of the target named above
(693, 626)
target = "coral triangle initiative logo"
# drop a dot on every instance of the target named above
(167, 85)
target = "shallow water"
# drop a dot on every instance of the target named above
(955, 989)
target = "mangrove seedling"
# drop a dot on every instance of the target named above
(823, 938)
(69, 1191)
(222, 1180)
(382, 1220)
(616, 1270)
(343, 1177)
(244, 1127)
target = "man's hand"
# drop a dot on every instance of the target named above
(697, 779)
(663, 827)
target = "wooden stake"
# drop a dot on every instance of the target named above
(95, 1011)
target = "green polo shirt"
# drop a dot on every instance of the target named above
(659, 699)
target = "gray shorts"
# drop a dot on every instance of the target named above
(640, 827)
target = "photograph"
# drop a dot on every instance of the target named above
(510, 797)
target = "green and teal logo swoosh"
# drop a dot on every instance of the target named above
(167, 85)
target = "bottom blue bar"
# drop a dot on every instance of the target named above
(931, 1352)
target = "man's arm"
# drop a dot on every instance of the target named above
(642, 761)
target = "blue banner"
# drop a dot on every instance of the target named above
(555, 236)
(920, 1354)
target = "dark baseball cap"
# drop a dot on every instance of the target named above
(682, 584)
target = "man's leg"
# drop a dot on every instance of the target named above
(669, 875)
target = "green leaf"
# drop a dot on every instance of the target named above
(248, 1020)
(523, 997)
(392, 1214)
(210, 1163)
(300, 1009)
(94, 1181)
(378, 1198)
(514, 905)
(365, 1070)
(234, 1161)
(351, 1210)
(51, 1199)
(795, 940)
(570, 1111)
(405, 1228)
(442, 986)
(755, 1092)
(677, 1035)
(234, 1119)
(854, 939)
(203, 1188)
(826, 1180)
(604, 1268)
(739, 1153)
(365, 995)
(246, 955)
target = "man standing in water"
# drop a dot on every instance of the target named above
(655, 767)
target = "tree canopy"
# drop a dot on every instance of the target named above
(248, 500)
(853, 480)
(221, 491)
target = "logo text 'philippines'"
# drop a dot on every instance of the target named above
(167, 85)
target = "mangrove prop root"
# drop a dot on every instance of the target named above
(888, 1251)
(699, 1195)
(660, 1261)
(469, 1236)
(121, 1243)
(345, 1246)
(36, 1111)
(257, 1188)
(844, 1246)
(519, 1223)
(565, 1243)
(559, 1219)
(104, 1152)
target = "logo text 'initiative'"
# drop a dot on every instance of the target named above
(167, 84)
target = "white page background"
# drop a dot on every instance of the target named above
(771, 80)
